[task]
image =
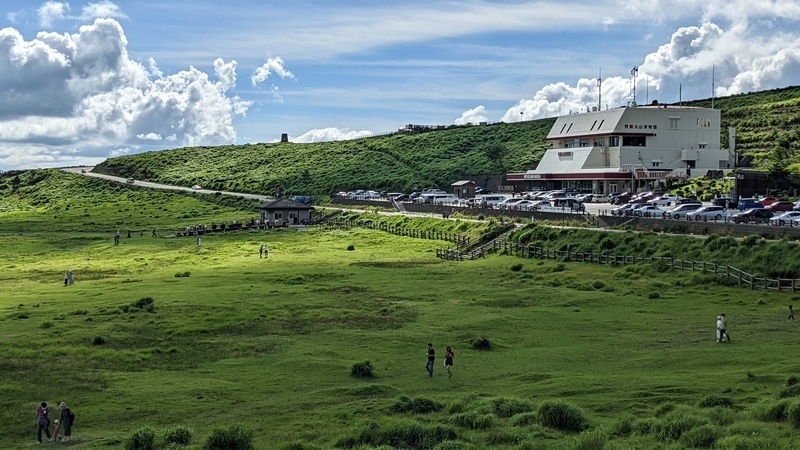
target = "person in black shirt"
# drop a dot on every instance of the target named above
(431, 358)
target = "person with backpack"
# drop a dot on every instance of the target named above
(43, 422)
(67, 420)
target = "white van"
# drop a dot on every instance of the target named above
(444, 199)
(490, 201)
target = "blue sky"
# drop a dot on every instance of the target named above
(82, 81)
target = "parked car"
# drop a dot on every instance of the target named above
(756, 215)
(621, 199)
(83, 170)
(624, 210)
(748, 203)
(664, 200)
(444, 199)
(600, 198)
(684, 200)
(509, 203)
(680, 211)
(196, 187)
(726, 201)
(480, 190)
(708, 213)
(568, 202)
(648, 211)
(766, 201)
(787, 218)
(781, 206)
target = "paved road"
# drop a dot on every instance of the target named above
(86, 170)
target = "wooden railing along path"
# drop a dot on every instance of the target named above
(459, 240)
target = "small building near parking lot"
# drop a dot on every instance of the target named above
(628, 149)
(285, 212)
(464, 189)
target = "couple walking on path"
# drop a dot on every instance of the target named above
(722, 328)
(448, 361)
(63, 427)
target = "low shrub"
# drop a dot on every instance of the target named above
(351, 247)
(654, 295)
(416, 405)
(182, 274)
(712, 401)
(361, 370)
(525, 419)
(672, 426)
(560, 267)
(739, 442)
(561, 416)
(454, 445)
(401, 434)
(472, 420)
(790, 391)
(516, 267)
(623, 426)
(645, 426)
(597, 284)
(143, 302)
(481, 344)
(181, 435)
(703, 436)
(508, 407)
(98, 340)
(791, 381)
(47, 325)
(142, 439)
(769, 410)
(503, 438)
(232, 437)
(589, 440)
(793, 414)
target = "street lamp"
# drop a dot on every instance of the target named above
(521, 113)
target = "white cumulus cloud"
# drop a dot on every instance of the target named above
(330, 134)
(475, 115)
(51, 12)
(104, 9)
(272, 65)
(83, 91)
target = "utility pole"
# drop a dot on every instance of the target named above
(634, 72)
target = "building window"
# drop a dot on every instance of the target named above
(703, 122)
(656, 164)
(592, 129)
(633, 141)
(673, 123)
(613, 141)
(701, 146)
(562, 128)
(601, 124)
(570, 127)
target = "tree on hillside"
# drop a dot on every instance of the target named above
(496, 153)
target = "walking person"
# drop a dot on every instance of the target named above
(70, 277)
(261, 252)
(266, 251)
(199, 241)
(431, 358)
(791, 313)
(722, 327)
(67, 418)
(66, 278)
(129, 234)
(154, 232)
(448, 361)
(116, 238)
(43, 422)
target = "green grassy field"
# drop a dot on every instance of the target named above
(581, 356)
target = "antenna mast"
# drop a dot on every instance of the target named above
(599, 87)
(634, 72)
(712, 86)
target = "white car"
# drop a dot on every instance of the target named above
(599, 198)
(625, 209)
(789, 217)
(648, 211)
(439, 199)
(708, 213)
(664, 200)
(680, 211)
(196, 187)
(509, 203)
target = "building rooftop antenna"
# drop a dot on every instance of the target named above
(599, 88)
(712, 86)
(634, 72)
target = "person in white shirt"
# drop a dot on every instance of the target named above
(722, 328)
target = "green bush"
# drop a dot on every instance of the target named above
(143, 302)
(769, 410)
(623, 425)
(351, 247)
(508, 407)
(516, 267)
(47, 325)
(182, 274)
(675, 424)
(790, 391)
(181, 435)
(712, 401)
(454, 445)
(361, 370)
(98, 340)
(791, 381)
(793, 414)
(739, 442)
(561, 416)
(232, 437)
(142, 439)
(417, 405)
(703, 436)
(589, 440)
(472, 420)
(481, 344)
(525, 419)
(400, 434)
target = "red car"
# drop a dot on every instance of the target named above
(766, 201)
(781, 206)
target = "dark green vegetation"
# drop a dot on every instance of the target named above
(767, 128)
(777, 259)
(548, 355)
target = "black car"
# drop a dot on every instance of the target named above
(682, 200)
(755, 215)
(725, 202)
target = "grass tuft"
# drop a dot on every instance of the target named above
(361, 370)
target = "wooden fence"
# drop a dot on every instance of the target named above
(460, 240)
(458, 255)
(743, 278)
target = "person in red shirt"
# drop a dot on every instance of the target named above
(448, 361)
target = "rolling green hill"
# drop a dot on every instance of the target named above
(765, 121)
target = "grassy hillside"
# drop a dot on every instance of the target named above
(52, 200)
(765, 122)
(162, 333)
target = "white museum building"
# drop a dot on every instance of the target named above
(628, 149)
